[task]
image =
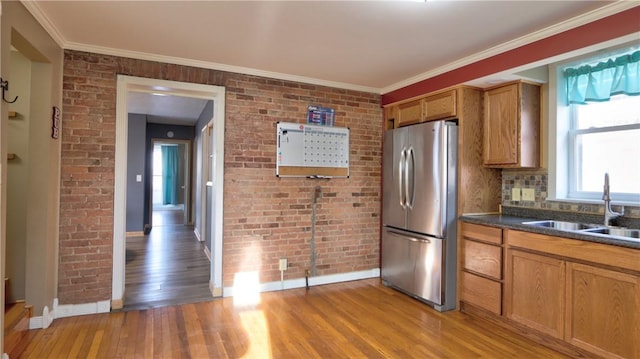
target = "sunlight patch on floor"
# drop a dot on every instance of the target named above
(255, 324)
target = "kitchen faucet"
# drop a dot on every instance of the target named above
(609, 214)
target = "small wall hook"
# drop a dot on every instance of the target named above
(5, 87)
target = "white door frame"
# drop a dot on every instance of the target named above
(208, 92)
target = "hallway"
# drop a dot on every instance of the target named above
(166, 267)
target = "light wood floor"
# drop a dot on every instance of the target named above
(166, 267)
(361, 319)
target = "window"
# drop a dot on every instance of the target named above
(605, 137)
(597, 127)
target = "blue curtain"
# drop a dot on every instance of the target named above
(170, 180)
(598, 83)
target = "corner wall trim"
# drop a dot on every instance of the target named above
(72, 310)
(44, 321)
(313, 281)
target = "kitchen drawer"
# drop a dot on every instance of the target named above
(482, 258)
(481, 292)
(482, 233)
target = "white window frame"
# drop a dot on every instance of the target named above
(561, 142)
(574, 167)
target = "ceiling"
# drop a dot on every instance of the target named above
(166, 109)
(375, 46)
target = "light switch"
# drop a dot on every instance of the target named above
(515, 194)
(529, 194)
(138, 178)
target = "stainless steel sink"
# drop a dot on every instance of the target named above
(596, 229)
(618, 232)
(562, 225)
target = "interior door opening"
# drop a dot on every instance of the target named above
(170, 194)
(215, 95)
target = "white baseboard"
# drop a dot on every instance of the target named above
(44, 321)
(197, 233)
(67, 310)
(207, 252)
(71, 310)
(313, 281)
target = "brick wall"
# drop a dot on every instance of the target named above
(265, 217)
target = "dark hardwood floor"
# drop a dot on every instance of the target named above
(361, 319)
(166, 267)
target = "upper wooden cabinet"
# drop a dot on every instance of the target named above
(410, 113)
(441, 105)
(429, 108)
(512, 126)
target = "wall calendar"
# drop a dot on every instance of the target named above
(312, 151)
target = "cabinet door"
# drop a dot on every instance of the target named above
(501, 126)
(391, 117)
(603, 311)
(439, 106)
(535, 291)
(410, 113)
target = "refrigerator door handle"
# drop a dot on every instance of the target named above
(409, 236)
(401, 171)
(410, 188)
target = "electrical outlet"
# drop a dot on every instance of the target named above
(529, 194)
(515, 194)
(283, 264)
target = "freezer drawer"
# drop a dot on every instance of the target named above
(413, 264)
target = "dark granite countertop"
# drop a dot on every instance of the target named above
(514, 221)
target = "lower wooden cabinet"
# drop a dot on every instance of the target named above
(603, 311)
(592, 304)
(482, 292)
(534, 292)
(481, 263)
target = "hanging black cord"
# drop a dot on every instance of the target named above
(5, 87)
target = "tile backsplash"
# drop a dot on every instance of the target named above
(538, 179)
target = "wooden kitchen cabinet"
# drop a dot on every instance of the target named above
(441, 105)
(438, 106)
(512, 126)
(585, 293)
(534, 292)
(481, 263)
(603, 311)
(391, 117)
(410, 113)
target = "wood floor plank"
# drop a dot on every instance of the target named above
(361, 319)
(166, 267)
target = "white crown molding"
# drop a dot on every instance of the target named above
(583, 19)
(214, 66)
(558, 28)
(34, 8)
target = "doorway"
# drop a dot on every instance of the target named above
(216, 94)
(170, 183)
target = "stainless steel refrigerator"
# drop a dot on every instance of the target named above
(419, 212)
